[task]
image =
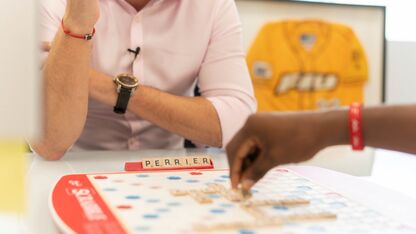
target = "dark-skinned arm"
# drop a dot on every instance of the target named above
(277, 139)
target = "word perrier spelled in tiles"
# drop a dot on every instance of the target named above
(177, 162)
(171, 163)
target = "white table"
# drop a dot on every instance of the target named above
(43, 175)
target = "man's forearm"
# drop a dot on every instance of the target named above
(388, 127)
(194, 118)
(66, 82)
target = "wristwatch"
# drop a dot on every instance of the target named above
(126, 85)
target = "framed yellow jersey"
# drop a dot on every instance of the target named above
(306, 65)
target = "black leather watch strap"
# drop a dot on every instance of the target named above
(122, 100)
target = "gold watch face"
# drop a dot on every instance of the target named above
(127, 81)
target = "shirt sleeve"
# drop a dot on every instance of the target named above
(224, 78)
(51, 13)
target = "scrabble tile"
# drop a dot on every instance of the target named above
(176, 162)
(168, 162)
(199, 196)
(206, 160)
(179, 193)
(311, 217)
(158, 162)
(148, 163)
(270, 202)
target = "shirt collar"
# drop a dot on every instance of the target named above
(129, 8)
(152, 2)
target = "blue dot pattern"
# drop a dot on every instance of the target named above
(151, 216)
(142, 175)
(316, 201)
(132, 197)
(244, 231)
(217, 211)
(174, 204)
(174, 178)
(192, 181)
(220, 180)
(162, 210)
(304, 188)
(110, 189)
(337, 205)
(153, 201)
(225, 176)
(214, 196)
(280, 208)
(227, 205)
(142, 229)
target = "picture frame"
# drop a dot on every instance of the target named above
(368, 23)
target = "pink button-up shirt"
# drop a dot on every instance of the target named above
(183, 43)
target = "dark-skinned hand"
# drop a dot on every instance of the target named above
(270, 140)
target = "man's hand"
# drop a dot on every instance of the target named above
(269, 140)
(81, 15)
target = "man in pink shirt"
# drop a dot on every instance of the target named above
(168, 47)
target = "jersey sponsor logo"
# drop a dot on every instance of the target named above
(325, 104)
(262, 70)
(308, 40)
(306, 82)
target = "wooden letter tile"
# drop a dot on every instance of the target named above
(148, 163)
(178, 192)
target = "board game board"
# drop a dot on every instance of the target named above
(199, 201)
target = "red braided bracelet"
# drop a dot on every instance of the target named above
(86, 37)
(356, 126)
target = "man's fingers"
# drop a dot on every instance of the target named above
(45, 46)
(233, 146)
(237, 160)
(255, 172)
(232, 149)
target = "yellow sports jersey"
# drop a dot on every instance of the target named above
(304, 65)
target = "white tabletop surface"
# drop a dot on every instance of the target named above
(42, 176)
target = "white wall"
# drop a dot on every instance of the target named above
(19, 89)
(401, 72)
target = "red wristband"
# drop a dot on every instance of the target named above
(86, 37)
(355, 126)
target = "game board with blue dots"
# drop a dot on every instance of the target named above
(200, 202)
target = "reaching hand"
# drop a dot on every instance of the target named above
(269, 140)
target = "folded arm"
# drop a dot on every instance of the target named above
(194, 118)
(66, 81)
